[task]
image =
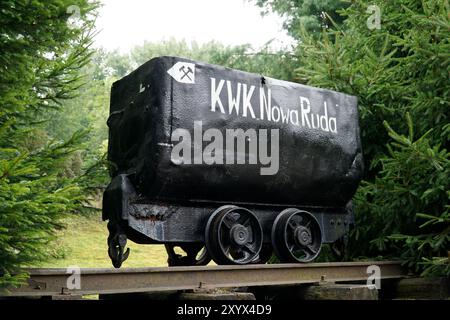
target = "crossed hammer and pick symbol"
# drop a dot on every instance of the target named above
(186, 72)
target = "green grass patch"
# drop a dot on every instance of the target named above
(83, 243)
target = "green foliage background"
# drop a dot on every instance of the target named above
(311, 15)
(400, 74)
(40, 54)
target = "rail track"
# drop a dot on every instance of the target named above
(53, 282)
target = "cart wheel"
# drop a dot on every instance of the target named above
(264, 255)
(233, 235)
(296, 236)
(196, 255)
(339, 248)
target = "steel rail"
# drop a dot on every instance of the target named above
(50, 282)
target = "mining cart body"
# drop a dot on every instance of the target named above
(241, 209)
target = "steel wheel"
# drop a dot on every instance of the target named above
(296, 236)
(196, 255)
(233, 235)
(264, 254)
(339, 248)
(202, 258)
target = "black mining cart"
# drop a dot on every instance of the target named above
(228, 165)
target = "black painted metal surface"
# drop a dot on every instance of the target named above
(146, 221)
(317, 166)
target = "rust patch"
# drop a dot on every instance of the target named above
(144, 213)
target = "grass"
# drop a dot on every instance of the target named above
(83, 244)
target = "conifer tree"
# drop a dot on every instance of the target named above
(43, 44)
(395, 57)
(312, 15)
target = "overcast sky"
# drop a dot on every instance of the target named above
(125, 23)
